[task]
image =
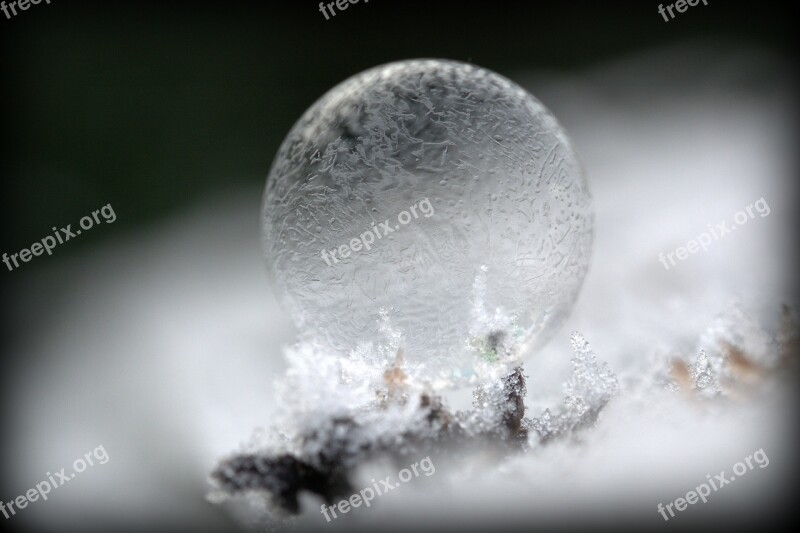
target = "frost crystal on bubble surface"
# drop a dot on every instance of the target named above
(404, 184)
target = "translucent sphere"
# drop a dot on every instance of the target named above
(430, 204)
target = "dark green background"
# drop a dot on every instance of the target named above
(150, 106)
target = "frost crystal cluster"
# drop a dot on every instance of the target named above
(589, 389)
(401, 186)
(333, 421)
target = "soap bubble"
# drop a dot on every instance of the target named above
(431, 205)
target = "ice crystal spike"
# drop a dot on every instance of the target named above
(589, 389)
(402, 185)
(701, 373)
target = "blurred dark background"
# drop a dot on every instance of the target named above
(151, 105)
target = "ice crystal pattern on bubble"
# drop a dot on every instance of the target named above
(505, 186)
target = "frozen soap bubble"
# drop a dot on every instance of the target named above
(432, 206)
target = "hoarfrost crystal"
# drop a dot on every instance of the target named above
(438, 198)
